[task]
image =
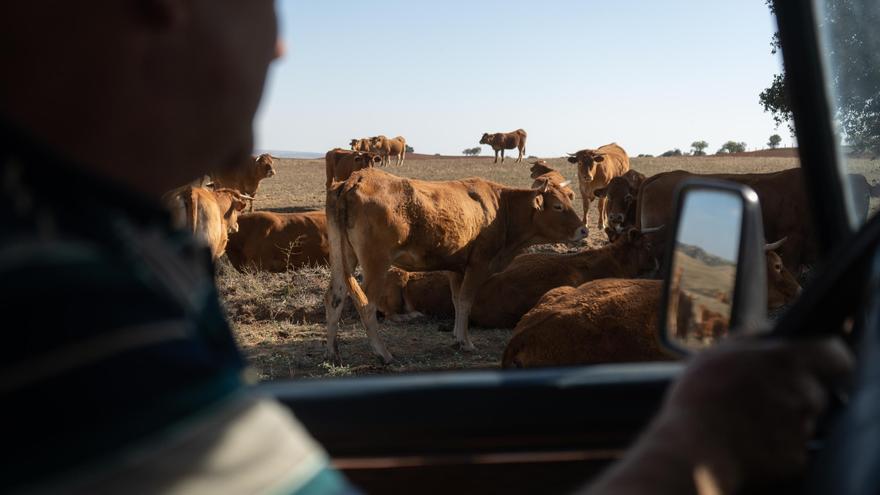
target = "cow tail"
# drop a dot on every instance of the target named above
(340, 246)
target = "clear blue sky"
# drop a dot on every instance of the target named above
(713, 222)
(651, 75)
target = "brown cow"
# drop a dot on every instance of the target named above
(342, 163)
(278, 242)
(595, 169)
(509, 294)
(613, 320)
(620, 209)
(209, 214)
(410, 295)
(386, 148)
(471, 227)
(541, 172)
(362, 144)
(784, 209)
(246, 178)
(501, 141)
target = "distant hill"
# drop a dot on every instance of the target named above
(301, 155)
(698, 253)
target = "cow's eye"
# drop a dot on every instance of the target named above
(557, 207)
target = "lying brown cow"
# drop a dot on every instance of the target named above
(501, 141)
(246, 178)
(595, 169)
(471, 227)
(277, 242)
(610, 320)
(386, 148)
(620, 208)
(541, 172)
(509, 294)
(209, 214)
(342, 163)
(410, 295)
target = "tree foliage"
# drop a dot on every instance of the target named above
(698, 148)
(409, 149)
(853, 55)
(774, 141)
(472, 151)
(731, 147)
(675, 152)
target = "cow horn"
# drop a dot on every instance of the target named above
(775, 245)
(571, 154)
(651, 230)
(564, 184)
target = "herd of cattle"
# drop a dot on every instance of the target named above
(455, 249)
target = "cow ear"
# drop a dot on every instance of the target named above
(240, 205)
(538, 202)
(628, 199)
(600, 193)
(572, 159)
(598, 158)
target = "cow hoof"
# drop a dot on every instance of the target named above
(465, 346)
(333, 358)
(386, 360)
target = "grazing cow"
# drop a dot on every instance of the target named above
(620, 208)
(501, 141)
(209, 214)
(362, 144)
(277, 242)
(613, 320)
(509, 294)
(342, 163)
(595, 169)
(386, 148)
(471, 228)
(542, 172)
(246, 178)
(784, 209)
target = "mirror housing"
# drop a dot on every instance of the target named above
(702, 207)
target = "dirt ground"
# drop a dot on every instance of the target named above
(279, 318)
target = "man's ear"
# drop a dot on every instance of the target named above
(162, 14)
(538, 202)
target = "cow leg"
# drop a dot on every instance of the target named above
(251, 202)
(375, 271)
(334, 304)
(602, 213)
(496, 157)
(586, 202)
(467, 292)
(502, 155)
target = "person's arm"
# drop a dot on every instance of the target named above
(741, 413)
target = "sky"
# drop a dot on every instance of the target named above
(650, 75)
(712, 220)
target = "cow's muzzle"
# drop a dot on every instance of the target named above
(581, 233)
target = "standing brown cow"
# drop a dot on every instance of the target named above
(362, 144)
(501, 141)
(595, 169)
(340, 163)
(621, 195)
(209, 215)
(246, 178)
(471, 227)
(278, 242)
(386, 148)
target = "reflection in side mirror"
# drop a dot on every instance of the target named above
(703, 271)
(716, 279)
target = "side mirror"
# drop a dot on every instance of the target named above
(715, 278)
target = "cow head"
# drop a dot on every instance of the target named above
(586, 161)
(539, 168)
(637, 246)
(377, 142)
(355, 144)
(554, 216)
(265, 166)
(486, 139)
(237, 203)
(364, 159)
(782, 286)
(621, 201)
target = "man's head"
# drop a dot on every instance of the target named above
(147, 93)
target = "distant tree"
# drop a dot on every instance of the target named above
(645, 155)
(409, 149)
(731, 147)
(675, 152)
(698, 148)
(472, 151)
(437, 154)
(774, 141)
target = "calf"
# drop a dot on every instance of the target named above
(246, 178)
(209, 215)
(277, 242)
(340, 163)
(471, 228)
(596, 168)
(501, 141)
(620, 208)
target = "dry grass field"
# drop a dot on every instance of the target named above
(279, 318)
